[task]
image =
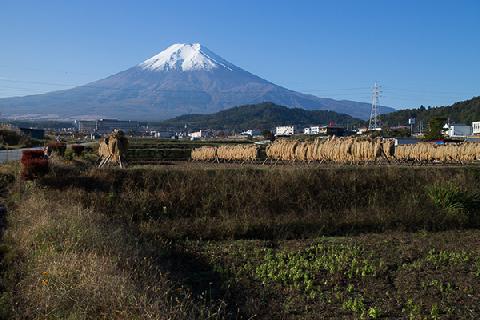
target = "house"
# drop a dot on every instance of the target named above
(164, 134)
(362, 130)
(459, 130)
(315, 130)
(476, 127)
(199, 134)
(86, 126)
(251, 133)
(325, 130)
(284, 130)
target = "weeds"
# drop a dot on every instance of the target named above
(284, 203)
(460, 207)
(113, 244)
(83, 265)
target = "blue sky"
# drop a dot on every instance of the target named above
(422, 52)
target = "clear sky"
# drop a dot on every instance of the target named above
(421, 51)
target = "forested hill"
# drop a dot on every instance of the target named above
(460, 112)
(260, 116)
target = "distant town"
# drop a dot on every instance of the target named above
(95, 129)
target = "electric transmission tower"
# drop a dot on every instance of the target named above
(374, 122)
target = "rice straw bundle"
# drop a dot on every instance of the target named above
(332, 149)
(228, 152)
(204, 153)
(238, 152)
(430, 152)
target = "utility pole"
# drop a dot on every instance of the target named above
(374, 122)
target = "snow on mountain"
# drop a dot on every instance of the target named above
(185, 57)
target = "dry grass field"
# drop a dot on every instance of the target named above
(201, 241)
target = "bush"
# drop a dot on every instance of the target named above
(68, 155)
(13, 138)
(34, 164)
(10, 137)
(57, 147)
(458, 206)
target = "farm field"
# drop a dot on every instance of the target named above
(155, 151)
(222, 241)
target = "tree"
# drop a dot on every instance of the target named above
(435, 128)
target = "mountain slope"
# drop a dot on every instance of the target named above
(259, 116)
(460, 112)
(184, 78)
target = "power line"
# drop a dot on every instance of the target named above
(373, 122)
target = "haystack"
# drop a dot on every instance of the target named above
(113, 149)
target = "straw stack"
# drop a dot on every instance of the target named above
(204, 153)
(332, 149)
(238, 152)
(429, 152)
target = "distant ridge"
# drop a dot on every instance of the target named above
(260, 116)
(460, 112)
(182, 79)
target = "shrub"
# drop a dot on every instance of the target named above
(57, 147)
(34, 164)
(68, 155)
(458, 205)
(78, 149)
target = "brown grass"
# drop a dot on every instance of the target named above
(71, 262)
(124, 244)
(270, 203)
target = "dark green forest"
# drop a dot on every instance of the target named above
(260, 116)
(460, 112)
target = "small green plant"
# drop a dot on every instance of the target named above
(477, 267)
(373, 312)
(355, 305)
(439, 258)
(301, 269)
(458, 205)
(412, 309)
(434, 311)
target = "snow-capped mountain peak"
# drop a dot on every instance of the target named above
(186, 57)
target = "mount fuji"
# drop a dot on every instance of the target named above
(182, 79)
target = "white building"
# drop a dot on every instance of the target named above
(251, 133)
(86, 126)
(476, 127)
(285, 130)
(459, 130)
(315, 130)
(199, 134)
(163, 134)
